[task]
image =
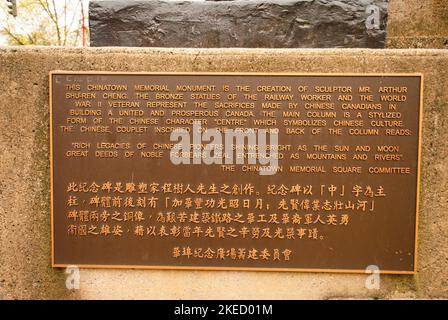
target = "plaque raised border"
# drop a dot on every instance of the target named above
(205, 268)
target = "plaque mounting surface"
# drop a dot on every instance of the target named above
(345, 195)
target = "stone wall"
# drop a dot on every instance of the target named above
(417, 24)
(25, 270)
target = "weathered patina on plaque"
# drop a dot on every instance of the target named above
(344, 194)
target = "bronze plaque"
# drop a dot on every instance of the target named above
(334, 189)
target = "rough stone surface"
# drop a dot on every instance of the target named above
(25, 270)
(239, 23)
(417, 24)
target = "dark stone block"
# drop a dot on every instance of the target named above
(239, 23)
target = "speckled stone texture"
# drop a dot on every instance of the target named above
(25, 270)
(238, 23)
(417, 24)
